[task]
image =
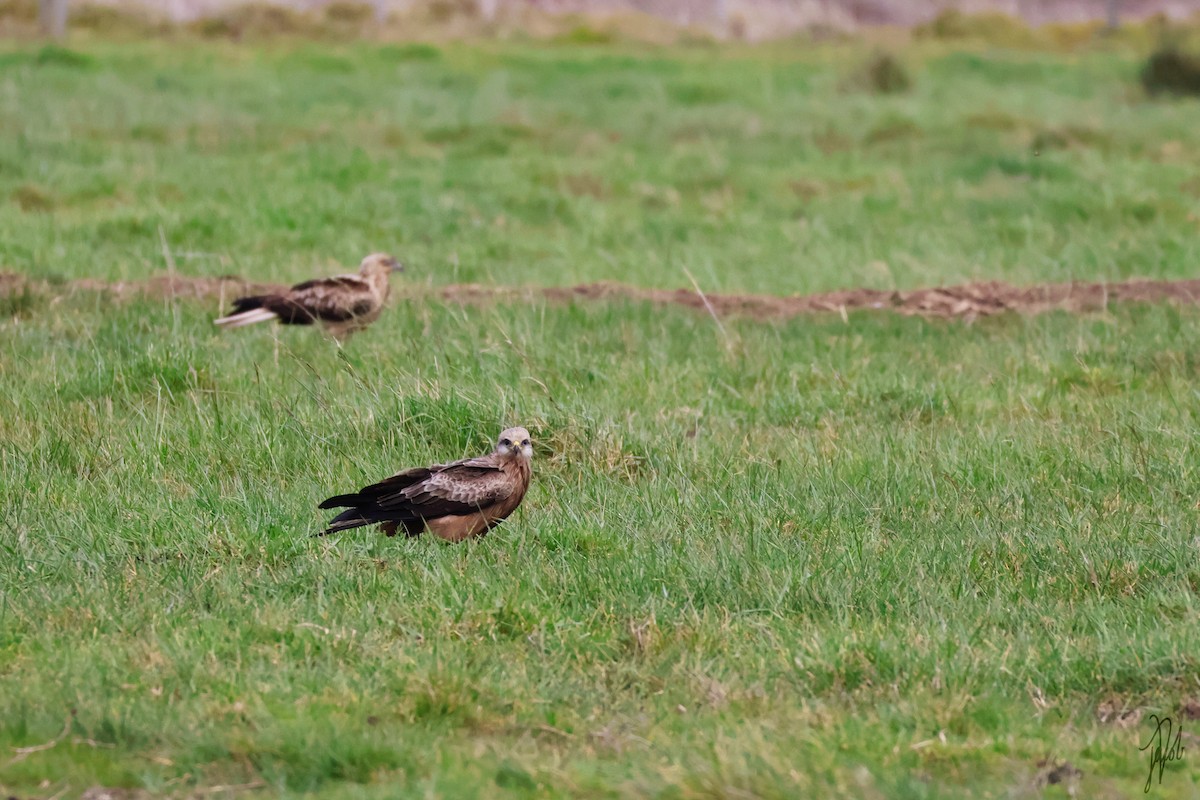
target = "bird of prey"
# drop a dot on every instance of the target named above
(342, 304)
(452, 501)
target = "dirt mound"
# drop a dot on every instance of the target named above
(966, 301)
(169, 286)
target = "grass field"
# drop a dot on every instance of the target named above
(754, 171)
(879, 557)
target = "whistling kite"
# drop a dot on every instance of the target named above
(453, 501)
(342, 304)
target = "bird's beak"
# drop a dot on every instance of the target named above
(397, 266)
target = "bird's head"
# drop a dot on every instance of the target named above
(379, 264)
(515, 443)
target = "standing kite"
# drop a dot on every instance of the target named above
(453, 501)
(342, 304)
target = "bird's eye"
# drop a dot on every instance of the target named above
(525, 443)
(506, 442)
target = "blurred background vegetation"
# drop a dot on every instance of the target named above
(1024, 22)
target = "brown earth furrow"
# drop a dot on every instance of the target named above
(963, 301)
(967, 300)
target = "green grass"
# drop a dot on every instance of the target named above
(884, 557)
(771, 564)
(754, 170)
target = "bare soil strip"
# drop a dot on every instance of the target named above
(967, 301)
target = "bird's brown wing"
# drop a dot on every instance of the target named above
(424, 493)
(336, 299)
(462, 488)
(388, 488)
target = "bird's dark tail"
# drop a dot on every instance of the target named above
(249, 303)
(247, 311)
(341, 501)
(347, 520)
(357, 517)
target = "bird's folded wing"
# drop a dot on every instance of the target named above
(348, 281)
(333, 299)
(460, 489)
(388, 488)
